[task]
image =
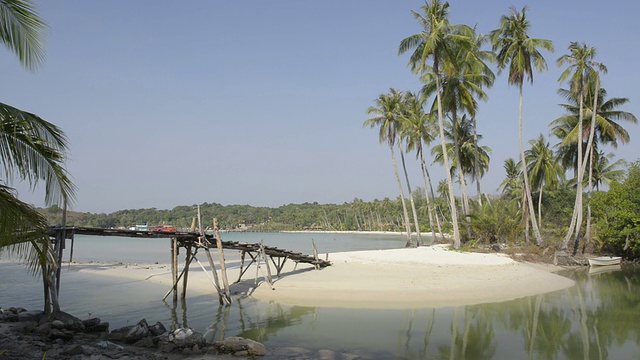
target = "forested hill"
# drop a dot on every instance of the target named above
(357, 215)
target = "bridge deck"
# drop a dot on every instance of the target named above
(185, 238)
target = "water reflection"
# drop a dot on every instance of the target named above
(596, 319)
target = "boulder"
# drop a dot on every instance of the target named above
(240, 346)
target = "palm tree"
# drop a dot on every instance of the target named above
(434, 41)
(417, 128)
(544, 168)
(605, 172)
(32, 150)
(520, 53)
(605, 128)
(387, 113)
(463, 77)
(583, 70)
(512, 184)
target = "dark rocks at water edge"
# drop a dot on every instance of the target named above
(33, 335)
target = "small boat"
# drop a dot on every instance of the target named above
(604, 260)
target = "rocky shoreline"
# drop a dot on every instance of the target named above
(26, 335)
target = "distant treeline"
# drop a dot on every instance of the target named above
(377, 215)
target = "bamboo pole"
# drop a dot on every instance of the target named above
(188, 260)
(315, 254)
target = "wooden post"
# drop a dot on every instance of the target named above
(241, 266)
(174, 267)
(266, 263)
(202, 241)
(223, 268)
(188, 259)
(315, 254)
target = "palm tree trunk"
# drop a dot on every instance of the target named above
(527, 187)
(463, 181)
(431, 201)
(404, 206)
(540, 207)
(413, 205)
(587, 234)
(583, 165)
(443, 140)
(577, 206)
(476, 165)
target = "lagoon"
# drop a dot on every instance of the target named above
(597, 318)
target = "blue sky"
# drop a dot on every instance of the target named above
(172, 103)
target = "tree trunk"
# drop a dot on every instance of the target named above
(431, 202)
(476, 162)
(577, 206)
(413, 205)
(583, 165)
(443, 140)
(587, 233)
(463, 181)
(527, 187)
(404, 206)
(540, 207)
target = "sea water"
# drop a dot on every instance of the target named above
(597, 318)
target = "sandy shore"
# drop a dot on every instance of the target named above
(424, 277)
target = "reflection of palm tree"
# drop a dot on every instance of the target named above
(520, 53)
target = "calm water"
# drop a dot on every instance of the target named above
(597, 319)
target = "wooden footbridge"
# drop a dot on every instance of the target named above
(193, 242)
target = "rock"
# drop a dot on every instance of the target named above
(187, 337)
(56, 334)
(119, 334)
(57, 324)
(234, 345)
(136, 333)
(74, 350)
(146, 342)
(70, 322)
(157, 329)
(95, 325)
(43, 329)
(30, 315)
(326, 354)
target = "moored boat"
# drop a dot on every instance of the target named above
(604, 260)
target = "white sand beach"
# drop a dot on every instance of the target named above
(423, 277)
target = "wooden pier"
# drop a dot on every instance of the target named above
(194, 242)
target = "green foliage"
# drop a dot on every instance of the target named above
(617, 214)
(498, 221)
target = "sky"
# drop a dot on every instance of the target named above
(169, 103)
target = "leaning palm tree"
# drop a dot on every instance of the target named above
(417, 128)
(544, 168)
(517, 50)
(434, 41)
(31, 150)
(387, 111)
(582, 71)
(605, 128)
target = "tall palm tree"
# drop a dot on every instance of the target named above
(417, 128)
(31, 150)
(517, 50)
(544, 169)
(434, 41)
(582, 71)
(605, 128)
(387, 111)
(463, 77)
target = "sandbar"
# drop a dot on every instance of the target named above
(423, 277)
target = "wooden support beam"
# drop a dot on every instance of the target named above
(223, 267)
(174, 268)
(315, 255)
